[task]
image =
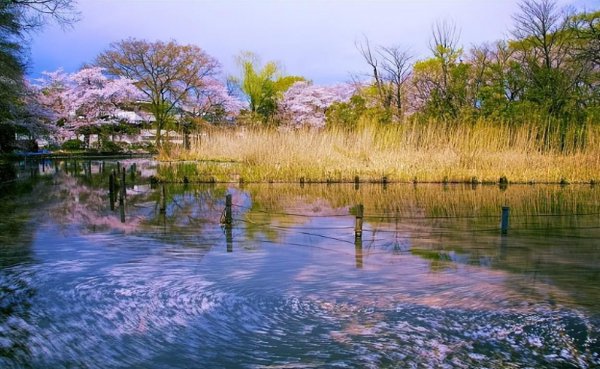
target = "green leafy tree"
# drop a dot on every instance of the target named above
(441, 82)
(586, 48)
(17, 18)
(262, 85)
(543, 43)
(11, 61)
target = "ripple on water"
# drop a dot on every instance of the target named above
(124, 317)
(147, 310)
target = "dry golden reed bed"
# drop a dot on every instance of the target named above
(410, 152)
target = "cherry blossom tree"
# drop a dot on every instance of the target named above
(165, 72)
(213, 100)
(83, 98)
(35, 117)
(50, 102)
(305, 104)
(94, 96)
(52, 94)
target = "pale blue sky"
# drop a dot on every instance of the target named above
(312, 38)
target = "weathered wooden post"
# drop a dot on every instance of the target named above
(114, 184)
(356, 182)
(123, 190)
(358, 252)
(384, 182)
(503, 183)
(133, 171)
(229, 237)
(228, 214)
(122, 212)
(358, 225)
(504, 221)
(163, 199)
(111, 190)
(118, 168)
(227, 221)
(301, 182)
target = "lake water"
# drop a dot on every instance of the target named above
(159, 281)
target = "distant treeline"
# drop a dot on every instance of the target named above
(546, 74)
(549, 69)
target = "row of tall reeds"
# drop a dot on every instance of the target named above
(432, 151)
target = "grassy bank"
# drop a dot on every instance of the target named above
(421, 152)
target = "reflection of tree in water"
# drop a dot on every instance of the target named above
(417, 284)
(75, 201)
(80, 201)
(7, 172)
(416, 220)
(20, 211)
(395, 302)
(458, 225)
(191, 216)
(431, 200)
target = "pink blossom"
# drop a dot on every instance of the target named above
(84, 97)
(305, 104)
(213, 95)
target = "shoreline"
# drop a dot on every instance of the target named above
(171, 174)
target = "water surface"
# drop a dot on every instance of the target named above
(160, 282)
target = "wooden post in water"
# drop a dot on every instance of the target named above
(122, 213)
(358, 252)
(227, 221)
(123, 189)
(228, 214)
(356, 182)
(504, 221)
(163, 199)
(122, 192)
(229, 237)
(111, 190)
(114, 185)
(358, 225)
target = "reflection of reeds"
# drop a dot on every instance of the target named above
(422, 152)
(433, 200)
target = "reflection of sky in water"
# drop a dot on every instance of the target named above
(295, 291)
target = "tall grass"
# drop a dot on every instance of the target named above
(433, 151)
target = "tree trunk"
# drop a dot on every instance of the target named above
(158, 130)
